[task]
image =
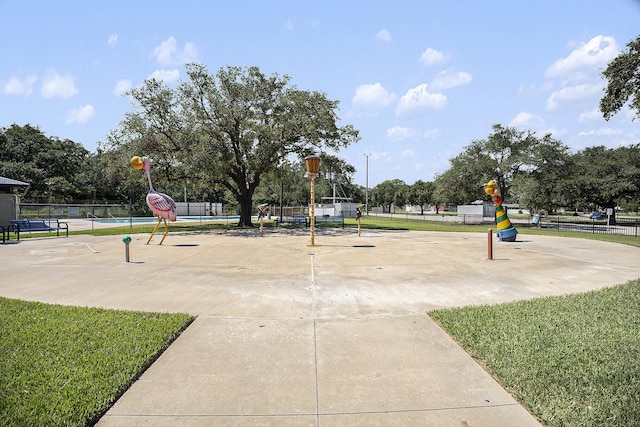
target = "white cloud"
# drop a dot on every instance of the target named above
(431, 133)
(167, 53)
(571, 94)
(433, 57)
(406, 154)
(288, 26)
(602, 132)
(609, 132)
(383, 35)
(15, 86)
(419, 98)
(122, 86)
(372, 97)
(189, 53)
(81, 115)
(587, 59)
(590, 116)
(113, 38)
(57, 86)
(534, 89)
(167, 76)
(587, 133)
(576, 78)
(528, 120)
(399, 133)
(449, 79)
(531, 122)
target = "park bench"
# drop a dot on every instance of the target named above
(3, 235)
(37, 225)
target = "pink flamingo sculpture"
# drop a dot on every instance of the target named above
(160, 204)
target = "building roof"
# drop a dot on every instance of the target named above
(7, 181)
(8, 185)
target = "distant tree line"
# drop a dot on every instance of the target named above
(538, 174)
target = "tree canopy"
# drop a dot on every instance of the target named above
(607, 175)
(54, 168)
(623, 82)
(504, 155)
(389, 192)
(289, 186)
(422, 194)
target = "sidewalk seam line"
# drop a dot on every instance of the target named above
(315, 339)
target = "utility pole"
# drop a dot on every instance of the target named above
(366, 188)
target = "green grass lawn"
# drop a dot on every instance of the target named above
(571, 360)
(63, 365)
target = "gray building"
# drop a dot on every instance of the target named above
(10, 193)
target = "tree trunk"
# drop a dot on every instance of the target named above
(246, 210)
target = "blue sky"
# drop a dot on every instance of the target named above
(420, 80)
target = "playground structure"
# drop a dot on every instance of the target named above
(160, 204)
(506, 231)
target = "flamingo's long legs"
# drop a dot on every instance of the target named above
(156, 228)
(166, 229)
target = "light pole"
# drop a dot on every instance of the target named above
(313, 169)
(366, 188)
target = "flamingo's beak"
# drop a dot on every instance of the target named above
(136, 162)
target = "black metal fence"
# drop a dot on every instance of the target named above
(44, 210)
(113, 210)
(620, 225)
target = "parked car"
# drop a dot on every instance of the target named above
(598, 215)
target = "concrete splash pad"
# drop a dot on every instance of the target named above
(335, 334)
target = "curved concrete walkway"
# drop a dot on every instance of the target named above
(288, 334)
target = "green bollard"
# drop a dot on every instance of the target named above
(126, 240)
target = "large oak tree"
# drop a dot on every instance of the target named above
(505, 154)
(230, 129)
